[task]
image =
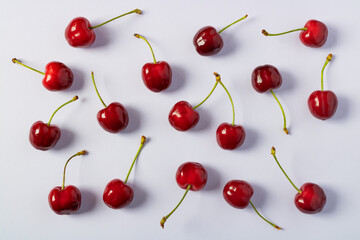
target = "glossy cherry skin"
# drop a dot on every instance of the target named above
(66, 201)
(237, 193)
(316, 34)
(191, 173)
(113, 118)
(117, 194)
(183, 117)
(311, 200)
(157, 76)
(43, 136)
(322, 104)
(79, 33)
(230, 137)
(57, 76)
(207, 41)
(265, 77)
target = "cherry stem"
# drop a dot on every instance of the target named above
(212, 90)
(233, 23)
(277, 34)
(218, 79)
(14, 60)
(143, 138)
(272, 224)
(328, 59)
(163, 220)
(282, 110)
(273, 152)
(97, 92)
(138, 11)
(83, 152)
(152, 52)
(72, 100)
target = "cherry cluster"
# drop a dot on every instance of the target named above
(157, 76)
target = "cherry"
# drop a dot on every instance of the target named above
(57, 75)
(44, 136)
(229, 136)
(80, 33)
(237, 193)
(117, 194)
(266, 78)
(310, 198)
(323, 104)
(207, 40)
(65, 199)
(190, 176)
(112, 118)
(313, 34)
(156, 76)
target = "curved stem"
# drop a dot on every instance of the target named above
(72, 100)
(212, 90)
(138, 11)
(277, 34)
(233, 23)
(272, 224)
(152, 52)
(83, 152)
(328, 59)
(273, 152)
(163, 220)
(143, 138)
(14, 60)
(218, 79)
(282, 110)
(97, 92)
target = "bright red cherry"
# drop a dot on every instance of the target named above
(323, 104)
(190, 176)
(310, 198)
(44, 136)
(313, 34)
(80, 33)
(57, 75)
(237, 193)
(65, 200)
(112, 118)
(156, 76)
(207, 40)
(118, 194)
(266, 78)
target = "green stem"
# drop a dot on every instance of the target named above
(72, 100)
(138, 11)
(83, 152)
(275, 226)
(233, 23)
(163, 220)
(143, 138)
(218, 79)
(97, 92)
(328, 59)
(14, 60)
(282, 110)
(212, 90)
(277, 34)
(273, 152)
(152, 52)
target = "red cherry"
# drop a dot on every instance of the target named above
(207, 40)
(65, 199)
(156, 76)
(45, 136)
(57, 75)
(313, 34)
(80, 33)
(117, 194)
(323, 104)
(183, 117)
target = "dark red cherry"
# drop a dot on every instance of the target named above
(157, 76)
(311, 199)
(183, 117)
(43, 136)
(113, 118)
(315, 34)
(117, 194)
(265, 77)
(230, 136)
(207, 41)
(322, 104)
(191, 173)
(237, 193)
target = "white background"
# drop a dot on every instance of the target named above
(323, 152)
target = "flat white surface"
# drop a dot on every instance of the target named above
(324, 152)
